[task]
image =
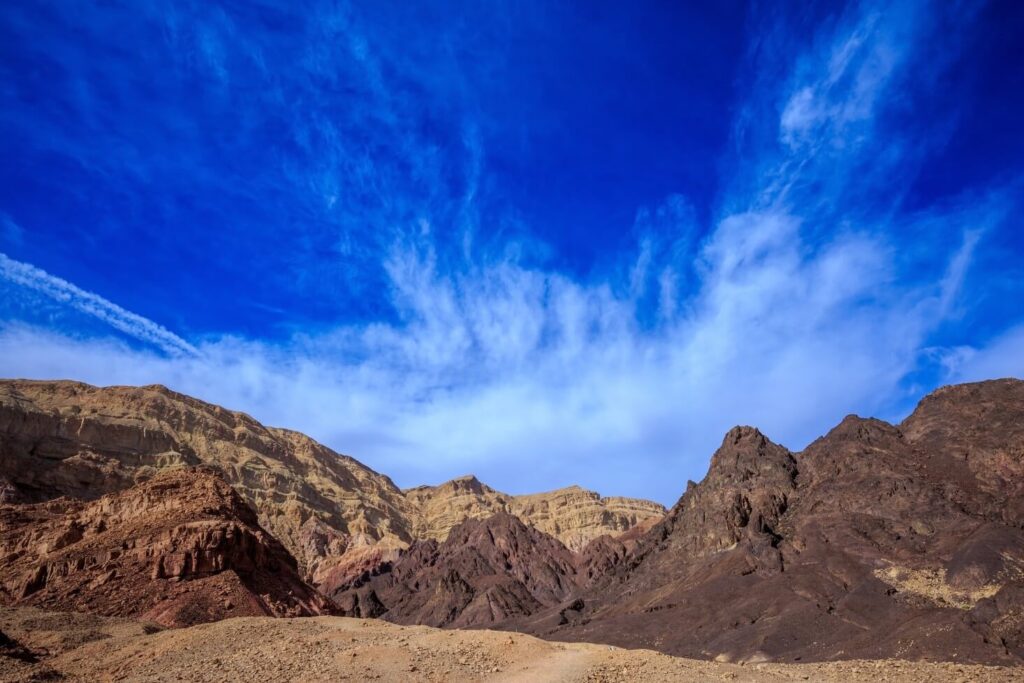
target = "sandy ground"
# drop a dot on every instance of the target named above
(85, 648)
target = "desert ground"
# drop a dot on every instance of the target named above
(54, 646)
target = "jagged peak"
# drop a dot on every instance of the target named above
(746, 452)
(868, 430)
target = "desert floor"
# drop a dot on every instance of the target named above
(86, 648)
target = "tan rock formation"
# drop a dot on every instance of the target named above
(72, 439)
(573, 515)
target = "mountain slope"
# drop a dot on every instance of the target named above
(573, 515)
(178, 549)
(71, 439)
(486, 572)
(875, 541)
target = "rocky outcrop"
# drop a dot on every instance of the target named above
(178, 549)
(75, 440)
(487, 572)
(875, 541)
(573, 515)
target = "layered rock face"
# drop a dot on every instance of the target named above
(178, 549)
(876, 541)
(72, 439)
(487, 572)
(573, 515)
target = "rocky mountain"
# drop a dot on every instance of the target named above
(72, 439)
(877, 540)
(486, 572)
(178, 549)
(573, 515)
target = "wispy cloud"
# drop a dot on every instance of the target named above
(799, 301)
(129, 323)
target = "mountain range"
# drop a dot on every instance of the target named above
(875, 541)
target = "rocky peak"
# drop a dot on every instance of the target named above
(747, 455)
(572, 514)
(486, 572)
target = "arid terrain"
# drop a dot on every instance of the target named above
(73, 647)
(72, 439)
(146, 535)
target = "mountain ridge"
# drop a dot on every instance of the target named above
(71, 438)
(875, 541)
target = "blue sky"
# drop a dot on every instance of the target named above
(539, 242)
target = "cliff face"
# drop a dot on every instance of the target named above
(178, 549)
(573, 515)
(71, 439)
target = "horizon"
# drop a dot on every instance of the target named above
(539, 244)
(667, 504)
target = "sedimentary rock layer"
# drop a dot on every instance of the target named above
(178, 549)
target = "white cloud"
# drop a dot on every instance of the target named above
(533, 379)
(1002, 356)
(30, 277)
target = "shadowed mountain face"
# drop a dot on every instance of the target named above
(875, 541)
(486, 572)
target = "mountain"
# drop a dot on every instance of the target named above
(72, 439)
(486, 572)
(178, 549)
(573, 515)
(876, 541)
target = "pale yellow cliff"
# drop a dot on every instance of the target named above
(573, 515)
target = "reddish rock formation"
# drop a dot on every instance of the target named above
(178, 549)
(72, 439)
(486, 572)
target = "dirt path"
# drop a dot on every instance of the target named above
(74, 647)
(561, 664)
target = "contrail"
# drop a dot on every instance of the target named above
(134, 325)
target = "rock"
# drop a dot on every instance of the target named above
(573, 515)
(877, 540)
(72, 439)
(486, 572)
(170, 548)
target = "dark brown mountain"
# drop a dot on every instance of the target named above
(178, 549)
(486, 572)
(876, 541)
